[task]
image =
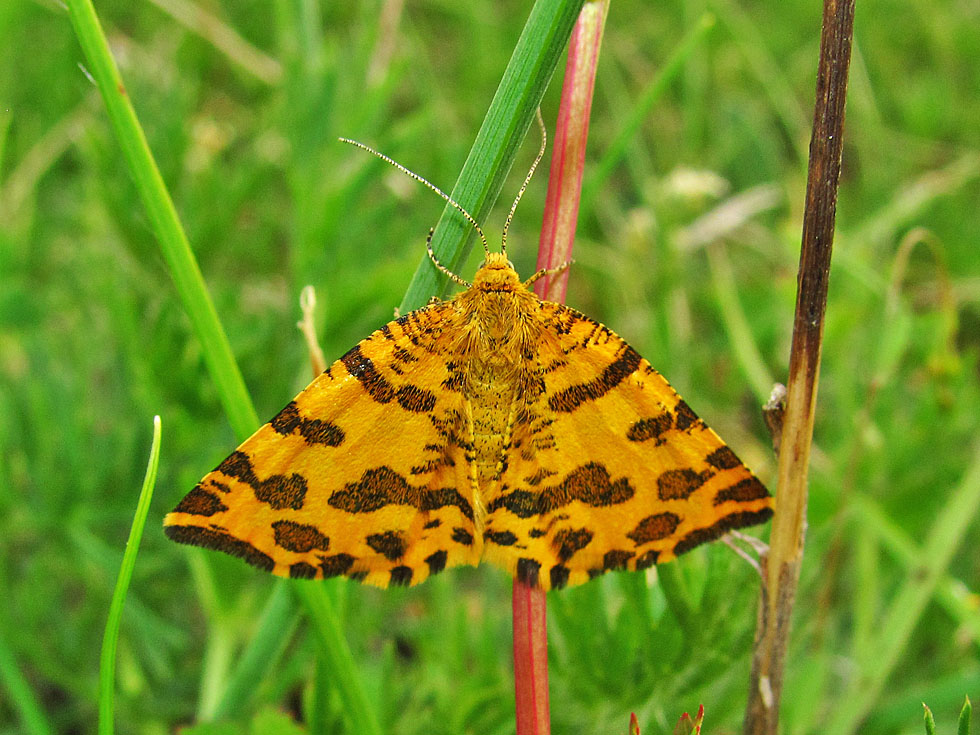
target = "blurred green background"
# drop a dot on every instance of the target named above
(689, 250)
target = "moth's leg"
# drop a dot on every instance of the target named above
(548, 272)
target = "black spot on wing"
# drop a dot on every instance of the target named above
(559, 576)
(566, 542)
(401, 576)
(211, 538)
(382, 486)
(279, 491)
(462, 536)
(568, 399)
(501, 538)
(200, 502)
(363, 368)
(390, 544)
(720, 527)
(314, 431)
(436, 561)
(527, 571)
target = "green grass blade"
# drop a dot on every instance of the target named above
(107, 663)
(906, 608)
(518, 96)
(274, 631)
(20, 697)
(963, 725)
(929, 720)
(163, 220)
(336, 656)
(616, 151)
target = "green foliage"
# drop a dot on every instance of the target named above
(94, 339)
(962, 725)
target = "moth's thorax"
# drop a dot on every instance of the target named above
(500, 330)
(498, 302)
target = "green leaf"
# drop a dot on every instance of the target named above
(107, 665)
(518, 96)
(963, 726)
(930, 722)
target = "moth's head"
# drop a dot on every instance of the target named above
(496, 274)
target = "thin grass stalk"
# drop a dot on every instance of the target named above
(789, 522)
(652, 93)
(164, 221)
(511, 111)
(529, 604)
(18, 694)
(878, 657)
(110, 638)
(216, 349)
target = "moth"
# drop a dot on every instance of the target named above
(493, 426)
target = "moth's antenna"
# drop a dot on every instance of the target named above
(527, 180)
(436, 189)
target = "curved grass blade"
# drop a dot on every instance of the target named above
(107, 663)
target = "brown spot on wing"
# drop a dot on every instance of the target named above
(653, 427)
(679, 484)
(686, 418)
(723, 458)
(299, 537)
(302, 570)
(654, 528)
(200, 502)
(334, 566)
(382, 486)
(527, 571)
(566, 542)
(590, 484)
(743, 491)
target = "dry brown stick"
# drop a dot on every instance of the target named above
(789, 523)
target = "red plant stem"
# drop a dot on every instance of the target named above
(530, 660)
(554, 248)
(568, 158)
